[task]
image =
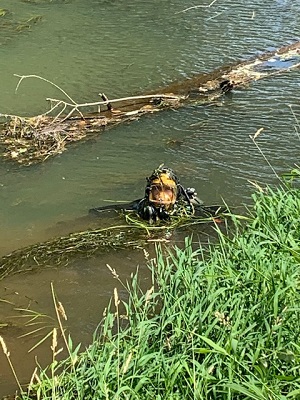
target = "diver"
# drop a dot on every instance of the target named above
(164, 198)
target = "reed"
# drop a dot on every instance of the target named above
(12, 368)
(221, 322)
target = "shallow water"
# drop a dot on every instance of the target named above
(124, 48)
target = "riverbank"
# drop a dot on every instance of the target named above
(216, 323)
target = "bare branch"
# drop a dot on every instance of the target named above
(194, 7)
(22, 77)
(98, 103)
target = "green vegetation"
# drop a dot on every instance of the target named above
(215, 323)
(135, 233)
(3, 12)
(11, 27)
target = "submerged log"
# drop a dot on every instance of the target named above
(33, 140)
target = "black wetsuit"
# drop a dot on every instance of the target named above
(148, 212)
(154, 207)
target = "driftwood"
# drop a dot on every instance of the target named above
(32, 140)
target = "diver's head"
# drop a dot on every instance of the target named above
(162, 188)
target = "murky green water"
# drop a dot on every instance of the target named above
(123, 48)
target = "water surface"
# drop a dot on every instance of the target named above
(124, 48)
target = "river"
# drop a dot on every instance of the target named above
(122, 48)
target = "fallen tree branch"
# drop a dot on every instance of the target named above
(123, 99)
(35, 139)
(23, 77)
(75, 107)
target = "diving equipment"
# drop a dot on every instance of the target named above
(164, 198)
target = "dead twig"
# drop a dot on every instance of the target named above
(198, 6)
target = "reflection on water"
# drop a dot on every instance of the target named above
(123, 48)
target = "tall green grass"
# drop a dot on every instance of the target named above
(215, 323)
